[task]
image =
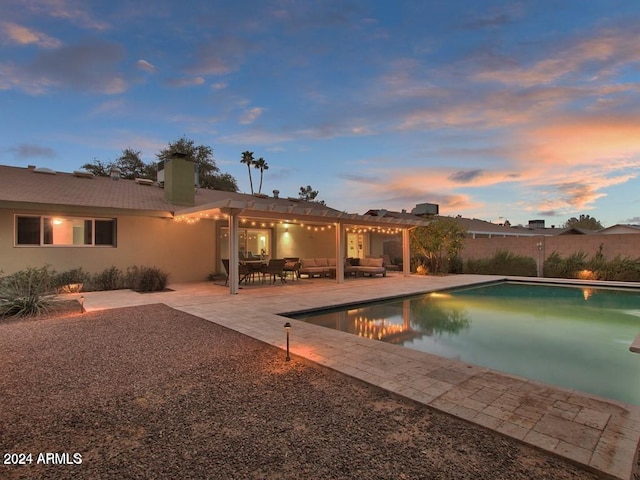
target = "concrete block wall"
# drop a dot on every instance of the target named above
(625, 245)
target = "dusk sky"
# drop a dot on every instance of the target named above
(498, 110)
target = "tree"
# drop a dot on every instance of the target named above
(202, 156)
(585, 221)
(247, 159)
(308, 194)
(222, 181)
(129, 162)
(98, 168)
(261, 165)
(438, 243)
(131, 165)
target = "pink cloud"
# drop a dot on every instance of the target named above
(600, 54)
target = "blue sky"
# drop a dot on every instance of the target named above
(493, 110)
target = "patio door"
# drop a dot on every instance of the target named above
(252, 243)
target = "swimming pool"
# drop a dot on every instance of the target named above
(574, 337)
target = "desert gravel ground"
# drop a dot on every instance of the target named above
(150, 392)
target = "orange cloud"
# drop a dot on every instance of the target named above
(20, 35)
(580, 141)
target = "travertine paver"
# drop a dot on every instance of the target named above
(600, 433)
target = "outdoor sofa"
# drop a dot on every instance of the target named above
(326, 267)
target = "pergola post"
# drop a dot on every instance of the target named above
(234, 276)
(339, 253)
(406, 253)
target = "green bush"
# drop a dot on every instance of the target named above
(70, 277)
(557, 267)
(27, 292)
(456, 265)
(146, 279)
(553, 266)
(109, 279)
(620, 269)
(503, 263)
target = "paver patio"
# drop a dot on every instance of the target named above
(600, 433)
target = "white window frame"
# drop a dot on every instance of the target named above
(64, 217)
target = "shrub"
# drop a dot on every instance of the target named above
(456, 265)
(573, 264)
(557, 267)
(621, 269)
(146, 279)
(109, 279)
(27, 292)
(503, 263)
(61, 281)
(553, 265)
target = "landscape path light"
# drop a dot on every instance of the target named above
(287, 328)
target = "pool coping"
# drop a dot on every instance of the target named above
(598, 433)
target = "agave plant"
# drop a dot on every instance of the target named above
(27, 292)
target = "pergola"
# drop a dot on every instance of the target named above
(272, 209)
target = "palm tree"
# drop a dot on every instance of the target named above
(262, 166)
(247, 159)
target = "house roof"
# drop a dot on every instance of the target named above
(31, 188)
(621, 227)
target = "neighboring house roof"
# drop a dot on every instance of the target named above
(31, 188)
(621, 228)
(576, 231)
(473, 226)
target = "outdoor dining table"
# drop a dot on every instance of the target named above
(253, 267)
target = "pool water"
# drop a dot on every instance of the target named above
(574, 337)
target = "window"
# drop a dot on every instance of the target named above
(105, 232)
(61, 231)
(252, 243)
(28, 230)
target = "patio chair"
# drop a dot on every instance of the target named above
(244, 271)
(390, 266)
(225, 264)
(292, 266)
(275, 268)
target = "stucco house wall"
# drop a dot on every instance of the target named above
(304, 243)
(185, 251)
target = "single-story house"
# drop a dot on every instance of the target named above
(71, 220)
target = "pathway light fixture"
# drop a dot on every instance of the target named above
(287, 328)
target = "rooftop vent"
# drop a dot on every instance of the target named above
(536, 224)
(115, 173)
(48, 171)
(276, 194)
(425, 209)
(144, 181)
(82, 174)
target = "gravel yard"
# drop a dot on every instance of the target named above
(150, 392)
